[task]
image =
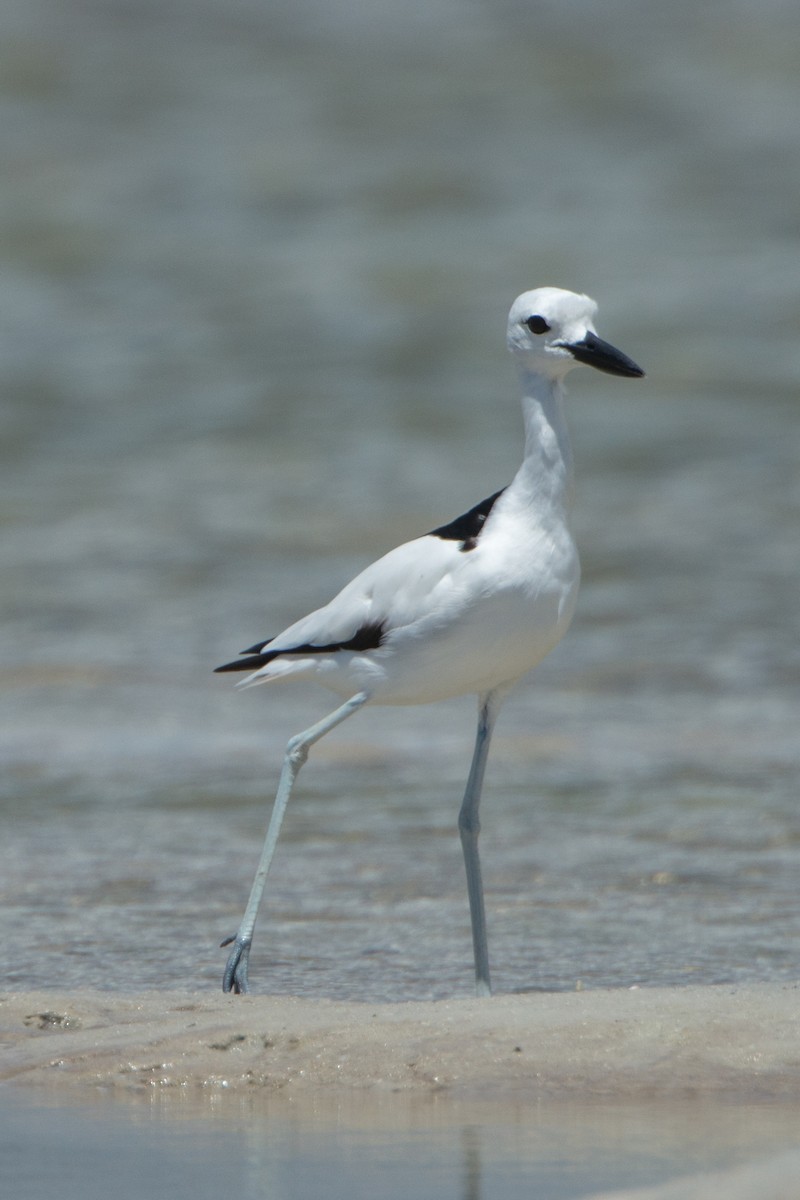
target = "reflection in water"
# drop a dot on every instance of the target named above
(472, 1188)
(393, 1146)
(387, 1145)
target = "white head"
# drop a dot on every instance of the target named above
(550, 331)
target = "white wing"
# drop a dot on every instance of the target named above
(409, 584)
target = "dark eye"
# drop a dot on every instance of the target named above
(537, 325)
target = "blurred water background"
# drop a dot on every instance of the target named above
(256, 264)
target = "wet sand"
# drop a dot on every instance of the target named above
(664, 1042)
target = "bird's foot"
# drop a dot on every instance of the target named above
(235, 976)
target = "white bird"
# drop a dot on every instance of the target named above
(470, 607)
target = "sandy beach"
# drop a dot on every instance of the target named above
(604, 1043)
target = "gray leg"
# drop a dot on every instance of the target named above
(469, 827)
(235, 977)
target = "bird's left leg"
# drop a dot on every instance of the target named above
(235, 977)
(469, 827)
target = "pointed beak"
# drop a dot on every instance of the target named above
(594, 352)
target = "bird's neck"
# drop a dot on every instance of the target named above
(545, 479)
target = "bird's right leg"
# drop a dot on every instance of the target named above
(235, 977)
(469, 827)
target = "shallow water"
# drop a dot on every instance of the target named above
(390, 1146)
(258, 266)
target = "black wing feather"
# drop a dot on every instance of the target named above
(467, 528)
(368, 637)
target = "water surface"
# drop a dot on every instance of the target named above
(391, 1147)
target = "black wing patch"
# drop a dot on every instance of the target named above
(467, 528)
(368, 637)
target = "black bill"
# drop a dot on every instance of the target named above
(596, 353)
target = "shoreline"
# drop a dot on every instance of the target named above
(740, 1040)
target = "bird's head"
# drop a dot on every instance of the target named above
(550, 331)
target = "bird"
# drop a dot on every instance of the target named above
(468, 608)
